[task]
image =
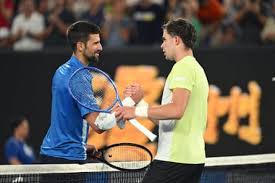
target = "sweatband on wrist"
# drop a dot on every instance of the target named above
(141, 111)
(142, 103)
(105, 121)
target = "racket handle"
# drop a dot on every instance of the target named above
(128, 101)
(144, 130)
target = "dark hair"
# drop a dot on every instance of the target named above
(80, 31)
(182, 28)
(16, 122)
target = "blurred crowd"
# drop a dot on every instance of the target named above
(29, 25)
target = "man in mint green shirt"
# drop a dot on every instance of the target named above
(182, 114)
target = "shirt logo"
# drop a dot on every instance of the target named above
(180, 78)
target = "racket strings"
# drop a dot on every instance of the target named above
(93, 89)
(81, 88)
(105, 92)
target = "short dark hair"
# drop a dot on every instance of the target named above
(16, 121)
(182, 28)
(80, 31)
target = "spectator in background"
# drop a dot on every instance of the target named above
(6, 13)
(117, 27)
(58, 20)
(79, 7)
(43, 8)
(27, 28)
(251, 18)
(226, 36)
(229, 31)
(172, 9)
(187, 9)
(268, 32)
(148, 18)
(16, 150)
(95, 14)
(190, 10)
(210, 13)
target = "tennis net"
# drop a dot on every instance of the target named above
(230, 169)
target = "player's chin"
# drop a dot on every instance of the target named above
(167, 57)
(96, 58)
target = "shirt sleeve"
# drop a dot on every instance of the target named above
(85, 94)
(11, 150)
(182, 76)
(84, 111)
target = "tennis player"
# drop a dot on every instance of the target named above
(182, 115)
(65, 141)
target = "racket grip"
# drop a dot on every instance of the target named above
(128, 101)
(142, 129)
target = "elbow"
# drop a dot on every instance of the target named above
(97, 130)
(100, 132)
(178, 114)
(177, 117)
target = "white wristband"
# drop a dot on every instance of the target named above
(105, 121)
(142, 111)
(142, 103)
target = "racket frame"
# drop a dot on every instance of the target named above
(103, 160)
(108, 110)
(134, 122)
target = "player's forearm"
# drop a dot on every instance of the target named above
(95, 128)
(36, 36)
(16, 37)
(168, 111)
(90, 118)
(173, 110)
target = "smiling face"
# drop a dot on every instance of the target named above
(92, 48)
(84, 39)
(168, 45)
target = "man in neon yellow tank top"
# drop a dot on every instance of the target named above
(182, 115)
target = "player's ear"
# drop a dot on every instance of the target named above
(177, 40)
(80, 46)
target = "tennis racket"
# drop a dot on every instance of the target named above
(124, 156)
(95, 90)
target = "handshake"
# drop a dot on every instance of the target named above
(105, 121)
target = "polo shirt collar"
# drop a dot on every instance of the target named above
(74, 61)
